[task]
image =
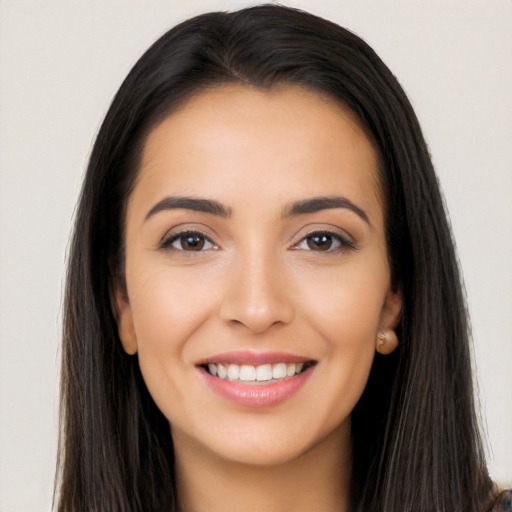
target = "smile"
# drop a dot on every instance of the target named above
(254, 374)
(256, 380)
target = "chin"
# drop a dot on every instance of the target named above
(262, 457)
(272, 445)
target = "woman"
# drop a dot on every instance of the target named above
(259, 217)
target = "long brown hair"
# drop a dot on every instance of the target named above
(415, 438)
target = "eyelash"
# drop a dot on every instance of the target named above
(342, 242)
(168, 241)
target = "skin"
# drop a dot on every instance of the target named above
(260, 284)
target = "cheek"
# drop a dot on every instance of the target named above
(167, 305)
(166, 313)
(345, 309)
(345, 303)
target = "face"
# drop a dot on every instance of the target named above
(256, 270)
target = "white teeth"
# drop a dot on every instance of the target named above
(247, 372)
(279, 371)
(233, 372)
(221, 371)
(264, 372)
(260, 373)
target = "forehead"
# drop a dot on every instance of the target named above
(233, 140)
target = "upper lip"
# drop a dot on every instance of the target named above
(254, 358)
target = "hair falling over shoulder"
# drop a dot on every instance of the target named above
(415, 434)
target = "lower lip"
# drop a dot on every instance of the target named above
(256, 395)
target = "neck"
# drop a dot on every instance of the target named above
(316, 480)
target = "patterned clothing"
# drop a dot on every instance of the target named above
(503, 502)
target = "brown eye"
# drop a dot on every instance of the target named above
(190, 241)
(325, 241)
(320, 242)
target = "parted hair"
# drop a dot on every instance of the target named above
(415, 435)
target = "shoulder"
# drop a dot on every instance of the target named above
(503, 502)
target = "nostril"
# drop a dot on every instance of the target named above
(257, 295)
(256, 319)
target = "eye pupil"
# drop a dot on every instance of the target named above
(192, 242)
(320, 242)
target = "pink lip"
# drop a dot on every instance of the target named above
(254, 358)
(256, 395)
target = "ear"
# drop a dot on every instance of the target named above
(387, 340)
(124, 319)
(391, 310)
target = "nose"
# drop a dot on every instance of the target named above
(257, 295)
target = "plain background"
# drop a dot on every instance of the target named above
(61, 63)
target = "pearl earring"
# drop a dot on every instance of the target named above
(387, 341)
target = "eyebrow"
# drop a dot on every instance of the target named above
(317, 204)
(190, 203)
(213, 207)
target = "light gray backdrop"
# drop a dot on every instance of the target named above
(61, 62)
